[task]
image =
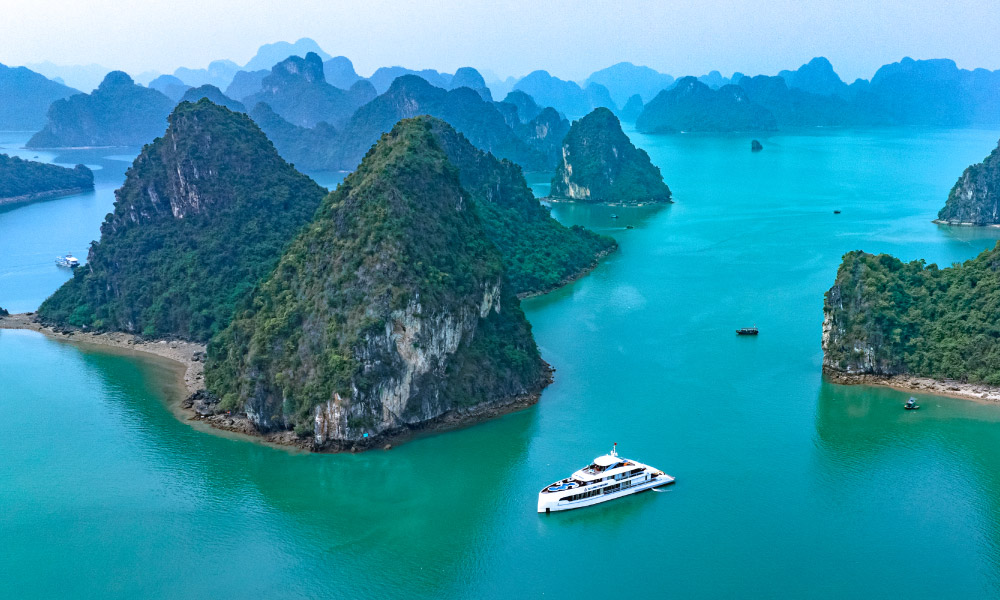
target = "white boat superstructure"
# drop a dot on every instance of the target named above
(608, 477)
(68, 261)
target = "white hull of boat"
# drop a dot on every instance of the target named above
(546, 505)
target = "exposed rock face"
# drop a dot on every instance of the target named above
(388, 312)
(693, 106)
(600, 164)
(884, 317)
(975, 198)
(203, 215)
(118, 113)
(852, 342)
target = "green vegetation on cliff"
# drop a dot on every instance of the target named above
(390, 309)
(975, 198)
(203, 215)
(600, 164)
(25, 180)
(538, 251)
(887, 317)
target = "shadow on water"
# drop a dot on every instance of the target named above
(924, 476)
(423, 505)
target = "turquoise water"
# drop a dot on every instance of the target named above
(787, 486)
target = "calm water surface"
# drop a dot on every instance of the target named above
(787, 486)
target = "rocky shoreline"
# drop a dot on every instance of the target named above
(978, 392)
(958, 224)
(43, 195)
(571, 278)
(196, 405)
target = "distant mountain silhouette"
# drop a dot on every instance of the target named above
(693, 106)
(269, 55)
(219, 73)
(565, 96)
(297, 90)
(794, 107)
(527, 108)
(82, 77)
(27, 96)
(816, 77)
(340, 72)
(169, 86)
(625, 79)
(246, 83)
(383, 77)
(117, 113)
(215, 95)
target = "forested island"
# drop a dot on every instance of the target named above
(118, 113)
(208, 211)
(975, 197)
(885, 318)
(389, 311)
(203, 215)
(25, 180)
(600, 164)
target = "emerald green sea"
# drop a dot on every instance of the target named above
(787, 486)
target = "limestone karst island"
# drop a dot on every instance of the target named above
(454, 301)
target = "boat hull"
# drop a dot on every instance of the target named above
(547, 505)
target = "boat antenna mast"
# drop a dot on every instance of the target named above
(614, 450)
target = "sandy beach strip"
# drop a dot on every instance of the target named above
(978, 392)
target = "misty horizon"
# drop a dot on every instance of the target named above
(570, 41)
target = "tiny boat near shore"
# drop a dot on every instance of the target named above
(69, 261)
(608, 477)
(911, 404)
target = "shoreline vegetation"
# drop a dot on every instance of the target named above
(976, 392)
(187, 403)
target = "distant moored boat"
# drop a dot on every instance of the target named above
(747, 331)
(68, 261)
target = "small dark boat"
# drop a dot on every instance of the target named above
(747, 331)
(614, 216)
(836, 212)
(911, 404)
(630, 227)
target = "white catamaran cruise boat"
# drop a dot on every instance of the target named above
(610, 476)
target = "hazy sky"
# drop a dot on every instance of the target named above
(510, 37)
